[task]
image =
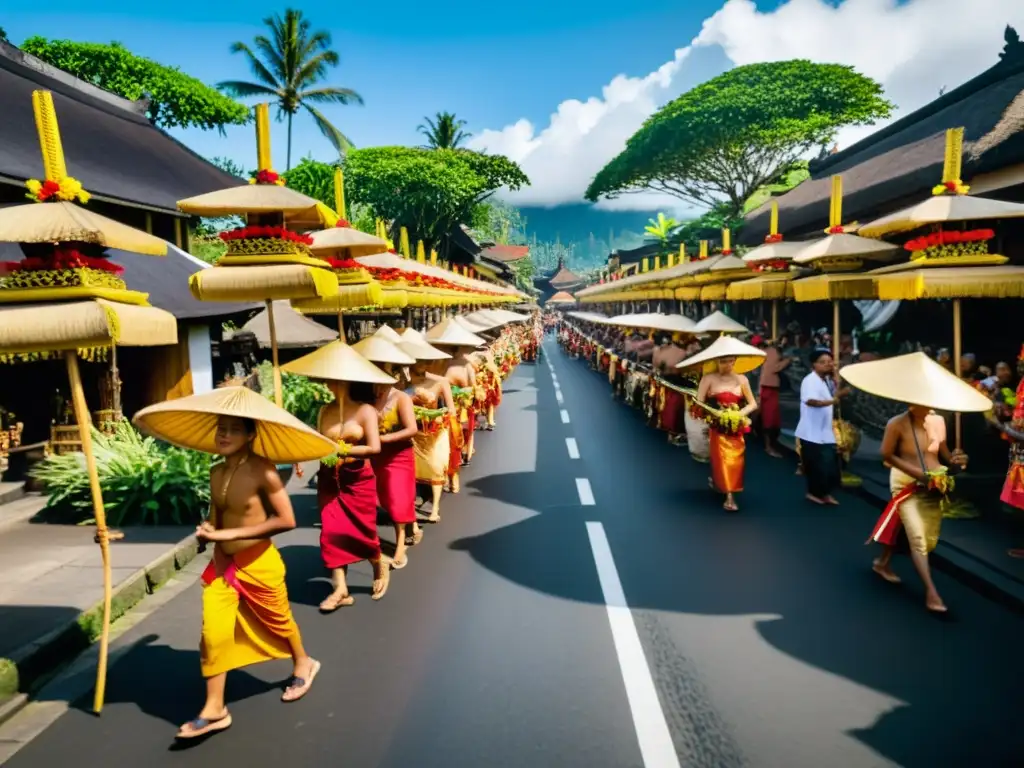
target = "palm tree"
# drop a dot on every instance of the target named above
(290, 62)
(444, 131)
(661, 228)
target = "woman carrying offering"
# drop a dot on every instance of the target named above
(346, 484)
(725, 396)
(395, 465)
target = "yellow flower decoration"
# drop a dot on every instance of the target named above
(955, 187)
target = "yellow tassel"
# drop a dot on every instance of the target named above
(646, 264)
(703, 249)
(835, 216)
(49, 136)
(657, 263)
(433, 257)
(263, 137)
(773, 222)
(726, 240)
(421, 254)
(682, 253)
(404, 243)
(339, 192)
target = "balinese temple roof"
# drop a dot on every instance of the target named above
(903, 161)
(565, 277)
(110, 145)
(506, 253)
(462, 247)
(164, 278)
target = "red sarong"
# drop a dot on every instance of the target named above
(347, 495)
(672, 412)
(395, 468)
(771, 412)
(889, 525)
(456, 441)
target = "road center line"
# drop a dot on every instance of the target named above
(656, 748)
(585, 492)
(558, 396)
(565, 416)
(574, 450)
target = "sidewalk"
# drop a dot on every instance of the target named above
(973, 551)
(51, 587)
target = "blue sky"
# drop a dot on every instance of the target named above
(490, 63)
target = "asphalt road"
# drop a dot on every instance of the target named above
(764, 638)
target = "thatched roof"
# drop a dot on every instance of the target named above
(903, 161)
(506, 253)
(110, 145)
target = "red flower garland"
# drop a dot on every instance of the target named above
(772, 266)
(770, 239)
(838, 230)
(344, 263)
(267, 177)
(61, 259)
(937, 239)
(265, 233)
(343, 224)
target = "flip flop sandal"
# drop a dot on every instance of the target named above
(386, 578)
(204, 726)
(415, 539)
(299, 684)
(400, 564)
(330, 606)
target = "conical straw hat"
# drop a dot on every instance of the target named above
(916, 379)
(338, 361)
(835, 246)
(389, 333)
(452, 333)
(422, 351)
(747, 357)
(191, 422)
(251, 198)
(377, 349)
(346, 239)
(481, 320)
(63, 222)
(719, 322)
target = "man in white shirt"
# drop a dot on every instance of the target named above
(818, 396)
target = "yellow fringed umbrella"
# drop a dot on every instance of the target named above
(265, 260)
(74, 311)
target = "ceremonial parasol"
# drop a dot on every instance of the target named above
(265, 259)
(916, 379)
(747, 357)
(292, 330)
(191, 422)
(389, 333)
(96, 311)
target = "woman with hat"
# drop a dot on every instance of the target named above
(346, 484)
(432, 402)
(725, 396)
(246, 614)
(395, 465)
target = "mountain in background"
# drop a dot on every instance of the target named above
(586, 233)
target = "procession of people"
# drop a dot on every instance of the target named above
(717, 400)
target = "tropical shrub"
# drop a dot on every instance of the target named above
(300, 396)
(144, 481)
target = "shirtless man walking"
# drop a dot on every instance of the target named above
(665, 359)
(914, 448)
(247, 618)
(460, 374)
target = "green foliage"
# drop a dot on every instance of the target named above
(143, 481)
(208, 248)
(444, 131)
(496, 221)
(314, 179)
(661, 228)
(789, 179)
(287, 67)
(708, 226)
(300, 396)
(732, 135)
(524, 270)
(428, 191)
(3, 34)
(176, 99)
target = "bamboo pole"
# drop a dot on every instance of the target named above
(957, 352)
(85, 429)
(278, 394)
(835, 331)
(775, 319)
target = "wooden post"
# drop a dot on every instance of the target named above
(835, 331)
(278, 393)
(957, 352)
(149, 222)
(177, 232)
(775, 319)
(85, 435)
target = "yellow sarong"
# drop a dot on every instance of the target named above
(432, 453)
(247, 618)
(920, 512)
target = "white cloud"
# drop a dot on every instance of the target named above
(913, 48)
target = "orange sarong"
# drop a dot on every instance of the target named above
(727, 460)
(247, 618)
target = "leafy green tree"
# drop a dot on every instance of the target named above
(287, 67)
(430, 192)
(314, 179)
(734, 134)
(444, 131)
(661, 229)
(3, 34)
(708, 226)
(176, 100)
(524, 270)
(498, 222)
